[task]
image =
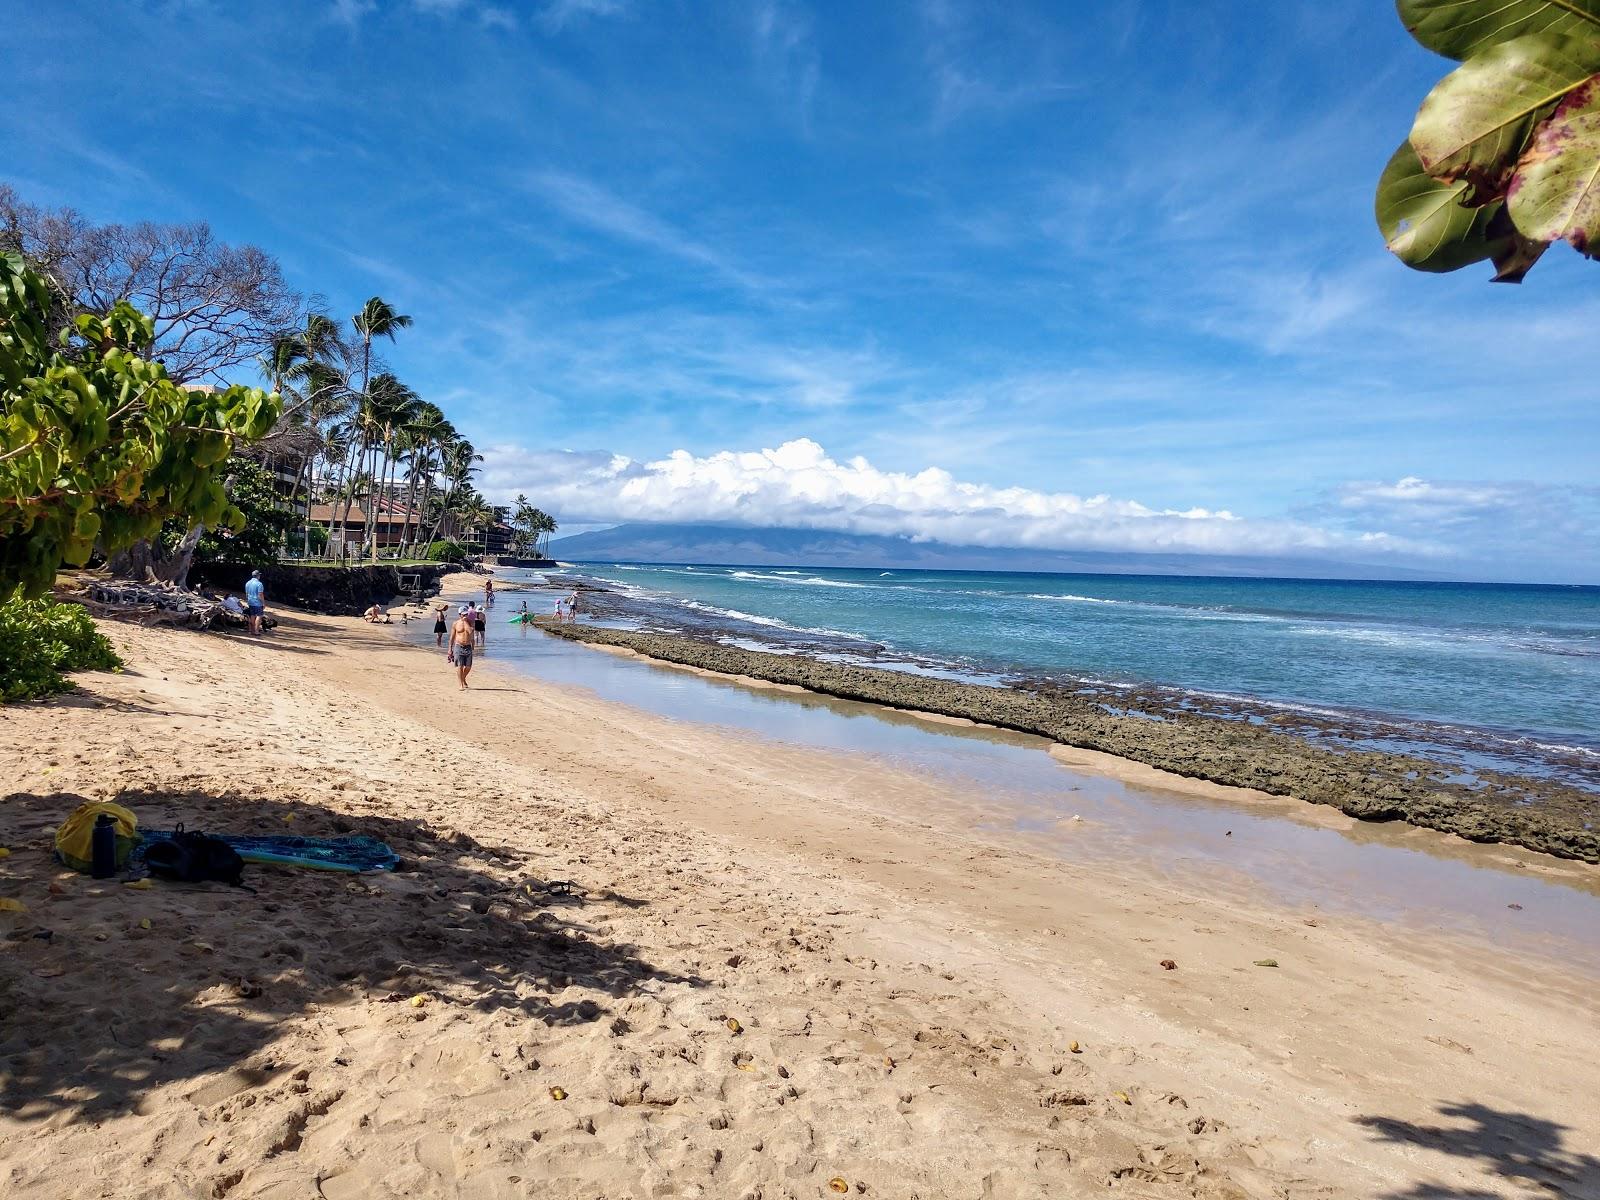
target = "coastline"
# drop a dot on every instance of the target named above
(1544, 816)
(906, 989)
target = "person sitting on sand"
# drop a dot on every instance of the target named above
(438, 623)
(230, 603)
(461, 636)
(377, 615)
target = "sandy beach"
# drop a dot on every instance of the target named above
(785, 972)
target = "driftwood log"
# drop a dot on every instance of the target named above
(153, 603)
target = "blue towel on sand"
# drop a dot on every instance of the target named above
(350, 854)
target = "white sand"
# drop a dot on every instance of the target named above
(905, 992)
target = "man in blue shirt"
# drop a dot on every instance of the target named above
(255, 596)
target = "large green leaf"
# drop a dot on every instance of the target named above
(1424, 222)
(1460, 28)
(1556, 191)
(1475, 123)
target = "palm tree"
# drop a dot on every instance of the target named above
(394, 406)
(421, 436)
(310, 368)
(477, 514)
(458, 458)
(376, 319)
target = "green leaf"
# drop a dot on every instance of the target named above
(1424, 222)
(1475, 123)
(1556, 191)
(1460, 28)
(1514, 254)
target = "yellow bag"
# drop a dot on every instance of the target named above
(74, 838)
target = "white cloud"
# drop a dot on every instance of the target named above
(558, 14)
(798, 486)
(350, 12)
(587, 203)
(787, 53)
(1517, 529)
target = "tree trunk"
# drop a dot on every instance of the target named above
(303, 472)
(347, 483)
(411, 495)
(311, 478)
(175, 570)
(134, 563)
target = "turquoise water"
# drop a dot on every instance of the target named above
(1506, 670)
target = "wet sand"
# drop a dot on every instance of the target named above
(785, 966)
(1543, 815)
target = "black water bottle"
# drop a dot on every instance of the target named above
(103, 846)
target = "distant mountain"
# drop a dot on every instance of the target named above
(729, 546)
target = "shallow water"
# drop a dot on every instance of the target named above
(1487, 676)
(1010, 783)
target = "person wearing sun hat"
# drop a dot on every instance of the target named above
(460, 653)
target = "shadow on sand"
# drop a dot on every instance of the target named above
(99, 1010)
(1530, 1153)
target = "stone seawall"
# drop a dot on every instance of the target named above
(341, 591)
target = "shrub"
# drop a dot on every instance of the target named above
(449, 552)
(39, 639)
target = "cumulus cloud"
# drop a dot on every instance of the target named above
(798, 485)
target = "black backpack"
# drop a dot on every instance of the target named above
(195, 858)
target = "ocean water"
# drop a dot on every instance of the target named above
(1491, 675)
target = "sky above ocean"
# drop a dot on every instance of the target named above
(1092, 276)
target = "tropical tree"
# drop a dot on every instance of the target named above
(458, 462)
(420, 440)
(266, 523)
(377, 319)
(530, 526)
(1504, 156)
(98, 446)
(212, 306)
(392, 407)
(476, 513)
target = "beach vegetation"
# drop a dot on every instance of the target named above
(266, 524)
(212, 307)
(98, 444)
(41, 639)
(530, 527)
(447, 552)
(1503, 159)
(378, 410)
(347, 432)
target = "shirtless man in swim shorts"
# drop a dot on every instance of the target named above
(461, 635)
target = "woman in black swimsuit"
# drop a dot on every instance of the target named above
(438, 625)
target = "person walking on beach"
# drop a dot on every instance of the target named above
(255, 598)
(438, 624)
(461, 635)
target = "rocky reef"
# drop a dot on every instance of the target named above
(1540, 814)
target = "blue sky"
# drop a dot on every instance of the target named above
(1098, 275)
